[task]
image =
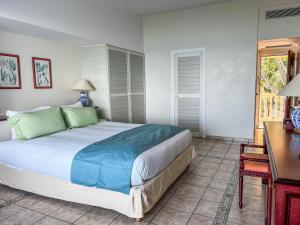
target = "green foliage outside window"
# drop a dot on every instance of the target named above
(273, 74)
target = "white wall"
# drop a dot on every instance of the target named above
(66, 70)
(229, 32)
(88, 19)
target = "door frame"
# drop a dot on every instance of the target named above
(202, 99)
(264, 53)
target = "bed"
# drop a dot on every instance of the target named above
(30, 167)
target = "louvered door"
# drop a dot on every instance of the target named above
(188, 91)
(137, 87)
(118, 79)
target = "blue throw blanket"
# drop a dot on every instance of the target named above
(108, 163)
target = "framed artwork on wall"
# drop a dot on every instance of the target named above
(10, 75)
(42, 76)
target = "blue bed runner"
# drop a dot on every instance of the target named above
(108, 163)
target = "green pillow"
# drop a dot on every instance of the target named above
(80, 117)
(35, 124)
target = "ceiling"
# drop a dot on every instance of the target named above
(146, 7)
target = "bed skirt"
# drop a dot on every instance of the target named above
(140, 200)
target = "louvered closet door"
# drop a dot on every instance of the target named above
(187, 91)
(137, 86)
(119, 98)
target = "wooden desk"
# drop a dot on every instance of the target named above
(284, 153)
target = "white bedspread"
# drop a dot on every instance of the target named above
(52, 155)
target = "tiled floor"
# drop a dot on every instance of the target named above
(205, 194)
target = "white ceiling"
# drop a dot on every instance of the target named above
(146, 7)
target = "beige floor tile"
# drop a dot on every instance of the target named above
(207, 208)
(200, 220)
(226, 167)
(212, 141)
(252, 180)
(214, 195)
(216, 154)
(226, 141)
(195, 162)
(191, 190)
(71, 212)
(51, 221)
(198, 180)
(234, 151)
(219, 183)
(251, 202)
(47, 205)
(29, 201)
(152, 213)
(169, 216)
(204, 172)
(25, 217)
(182, 202)
(190, 169)
(209, 165)
(236, 144)
(3, 203)
(9, 211)
(207, 144)
(222, 174)
(10, 194)
(211, 159)
(219, 149)
(256, 190)
(232, 156)
(163, 200)
(124, 220)
(201, 153)
(98, 216)
(246, 216)
(196, 140)
(175, 186)
(204, 148)
(221, 145)
(231, 223)
(229, 161)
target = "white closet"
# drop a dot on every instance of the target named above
(119, 78)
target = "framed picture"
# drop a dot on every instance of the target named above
(42, 76)
(10, 77)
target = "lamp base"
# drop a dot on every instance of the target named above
(296, 131)
(84, 99)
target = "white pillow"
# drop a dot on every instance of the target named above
(10, 113)
(76, 105)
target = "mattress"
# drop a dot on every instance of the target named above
(53, 154)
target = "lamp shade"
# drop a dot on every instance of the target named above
(292, 88)
(83, 85)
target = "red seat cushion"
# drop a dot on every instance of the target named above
(255, 156)
(259, 167)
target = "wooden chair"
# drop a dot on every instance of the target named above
(255, 165)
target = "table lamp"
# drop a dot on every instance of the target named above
(292, 89)
(84, 86)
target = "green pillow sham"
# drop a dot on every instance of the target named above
(35, 124)
(80, 117)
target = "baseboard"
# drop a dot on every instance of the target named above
(234, 139)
